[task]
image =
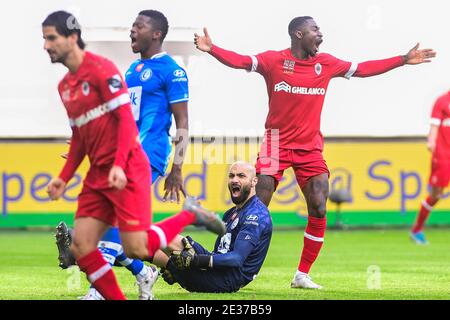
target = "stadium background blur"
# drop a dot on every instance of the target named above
(375, 128)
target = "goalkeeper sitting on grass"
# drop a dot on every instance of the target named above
(237, 256)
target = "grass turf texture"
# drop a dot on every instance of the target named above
(29, 268)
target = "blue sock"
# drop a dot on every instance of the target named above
(113, 248)
(110, 245)
(134, 265)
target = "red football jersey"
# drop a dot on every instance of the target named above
(297, 90)
(440, 116)
(96, 99)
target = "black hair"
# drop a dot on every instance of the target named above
(65, 24)
(159, 21)
(296, 23)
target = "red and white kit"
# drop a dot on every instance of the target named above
(296, 90)
(98, 105)
(440, 165)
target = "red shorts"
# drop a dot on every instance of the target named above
(129, 208)
(306, 163)
(440, 173)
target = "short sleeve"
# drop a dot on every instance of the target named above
(177, 86)
(112, 87)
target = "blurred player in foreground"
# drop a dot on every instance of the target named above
(158, 89)
(117, 186)
(237, 256)
(297, 79)
(439, 146)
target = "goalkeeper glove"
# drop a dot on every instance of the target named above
(168, 276)
(188, 258)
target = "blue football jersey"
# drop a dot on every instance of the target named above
(250, 223)
(154, 84)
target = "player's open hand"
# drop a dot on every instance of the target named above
(416, 56)
(174, 185)
(203, 43)
(56, 188)
(117, 178)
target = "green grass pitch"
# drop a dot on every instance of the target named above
(29, 268)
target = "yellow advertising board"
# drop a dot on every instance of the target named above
(381, 176)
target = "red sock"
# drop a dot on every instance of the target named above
(312, 243)
(100, 275)
(162, 233)
(424, 212)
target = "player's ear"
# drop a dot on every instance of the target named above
(157, 35)
(254, 181)
(299, 34)
(73, 39)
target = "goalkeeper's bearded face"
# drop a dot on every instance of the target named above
(241, 182)
(240, 194)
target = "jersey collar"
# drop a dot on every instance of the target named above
(156, 56)
(252, 198)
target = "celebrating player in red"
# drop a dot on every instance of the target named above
(117, 186)
(297, 80)
(439, 145)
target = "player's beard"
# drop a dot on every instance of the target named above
(55, 58)
(245, 191)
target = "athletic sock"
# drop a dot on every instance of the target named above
(136, 266)
(162, 233)
(312, 243)
(100, 275)
(425, 210)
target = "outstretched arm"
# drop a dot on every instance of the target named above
(414, 56)
(229, 58)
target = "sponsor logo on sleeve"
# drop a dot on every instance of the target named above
(252, 219)
(180, 76)
(115, 83)
(179, 73)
